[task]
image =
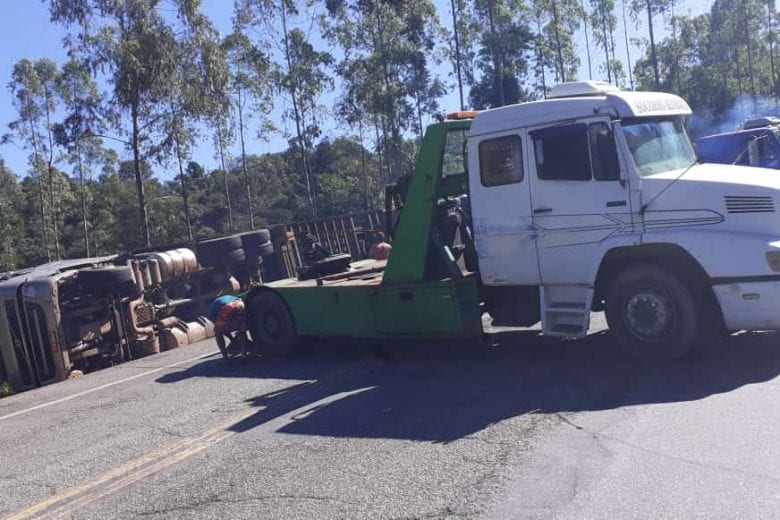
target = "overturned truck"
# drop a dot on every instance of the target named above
(86, 314)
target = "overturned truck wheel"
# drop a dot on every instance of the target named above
(271, 324)
(218, 252)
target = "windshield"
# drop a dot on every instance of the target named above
(658, 145)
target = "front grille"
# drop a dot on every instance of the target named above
(746, 204)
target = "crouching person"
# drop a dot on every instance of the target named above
(229, 316)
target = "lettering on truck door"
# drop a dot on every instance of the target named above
(579, 199)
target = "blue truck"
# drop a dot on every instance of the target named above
(757, 144)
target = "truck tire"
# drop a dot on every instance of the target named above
(271, 324)
(106, 281)
(257, 243)
(218, 252)
(255, 238)
(652, 312)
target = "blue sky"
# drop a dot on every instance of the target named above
(25, 32)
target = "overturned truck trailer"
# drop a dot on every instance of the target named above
(90, 313)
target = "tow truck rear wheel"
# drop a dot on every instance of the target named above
(271, 324)
(652, 312)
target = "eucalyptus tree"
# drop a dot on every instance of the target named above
(388, 67)
(11, 221)
(133, 42)
(650, 9)
(201, 72)
(462, 52)
(505, 41)
(31, 86)
(300, 71)
(77, 132)
(604, 20)
(249, 88)
(561, 20)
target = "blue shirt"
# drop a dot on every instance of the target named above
(217, 305)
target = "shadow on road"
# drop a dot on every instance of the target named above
(432, 393)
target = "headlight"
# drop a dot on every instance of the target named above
(773, 259)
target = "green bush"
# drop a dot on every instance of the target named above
(5, 389)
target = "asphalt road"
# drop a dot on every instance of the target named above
(535, 428)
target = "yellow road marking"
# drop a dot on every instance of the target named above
(71, 499)
(126, 474)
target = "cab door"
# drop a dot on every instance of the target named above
(501, 207)
(579, 199)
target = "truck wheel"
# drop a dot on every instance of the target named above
(271, 324)
(257, 243)
(218, 252)
(652, 312)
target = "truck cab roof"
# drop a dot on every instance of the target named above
(576, 100)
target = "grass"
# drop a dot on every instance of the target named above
(5, 389)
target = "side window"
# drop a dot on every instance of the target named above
(500, 161)
(745, 149)
(765, 150)
(562, 153)
(605, 163)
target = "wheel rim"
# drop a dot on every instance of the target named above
(272, 326)
(649, 314)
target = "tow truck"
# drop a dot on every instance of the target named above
(590, 200)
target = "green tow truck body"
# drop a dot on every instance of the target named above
(402, 296)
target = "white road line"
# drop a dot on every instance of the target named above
(103, 387)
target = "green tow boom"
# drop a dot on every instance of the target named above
(403, 299)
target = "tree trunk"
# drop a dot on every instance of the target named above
(497, 65)
(83, 194)
(221, 143)
(628, 48)
(139, 180)
(540, 56)
(244, 169)
(363, 167)
(605, 36)
(302, 143)
(558, 49)
(587, 38)
(41, 196)
(654, 57)
(769, 5)
(50, 169)
(749, 46)
(457, 53)
(184, 193)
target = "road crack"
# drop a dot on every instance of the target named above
(601, 438)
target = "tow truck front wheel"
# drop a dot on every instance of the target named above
(652, 312)
(271, 324)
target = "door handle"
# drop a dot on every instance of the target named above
(616, 203)
(537, 211)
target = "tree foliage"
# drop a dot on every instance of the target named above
(348, 84)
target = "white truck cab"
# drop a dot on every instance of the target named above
(595, 196)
